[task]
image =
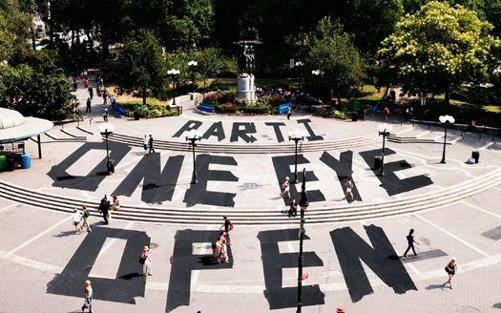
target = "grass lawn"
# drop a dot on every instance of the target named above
(133, 100)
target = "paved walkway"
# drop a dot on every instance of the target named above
(357, 264)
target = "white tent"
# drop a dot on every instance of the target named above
(15, 127)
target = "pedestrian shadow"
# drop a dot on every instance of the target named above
(393, 257)
(130, 276)
(209, 260)
(432, 287)
(66, 234)
(497, 305)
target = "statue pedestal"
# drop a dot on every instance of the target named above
(246, 89)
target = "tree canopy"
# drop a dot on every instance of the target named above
(141, 64)
(332, 52)
(439, 47)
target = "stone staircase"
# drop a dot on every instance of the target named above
(213, 215)
(410, 139)
(250, 148)
(66, 135)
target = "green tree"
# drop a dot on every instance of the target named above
(212, 62)
(333, 53)
(185, 23)
(489, 10)
(141, 64)
(37, 86)
(438, 48)
(14, 28)
(368, 21)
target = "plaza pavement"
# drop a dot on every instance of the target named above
(37, 244)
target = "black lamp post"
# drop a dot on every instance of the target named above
(384, 130)
(192, 65)
(445, 120)
(303, 204)
(192, 138)
(106, 130)
(296, 137)
(174, 73)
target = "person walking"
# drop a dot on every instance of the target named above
(105, 97)
(85, 217)
(88, 296)
(145, 144)
(105, 115)
(104, 207)
(221, 248)
(289, 112)
(145, 259)
(293, 208)
(410, 243)
(150, 145)
(228, 226)
(77, 217)
(348, 194)
(89, 103)
(115, 205)
(91, 92)
(451, 271)
(285, 187)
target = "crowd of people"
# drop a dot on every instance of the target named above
(100, 92)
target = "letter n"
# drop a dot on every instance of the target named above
(351, 250)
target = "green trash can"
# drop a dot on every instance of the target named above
(3, 163)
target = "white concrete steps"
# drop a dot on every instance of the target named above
(261, 217)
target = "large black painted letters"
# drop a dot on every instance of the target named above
(282, 166)
(183, 262)
(190, 125)
(390, 182)
(242, 130)
(342, 169)
(96, 176)
(274, 262)
(129, 282)
(157, 186)
(351, 249)
(276, 129)
(198, 193)
(312, 136)
(216, 129)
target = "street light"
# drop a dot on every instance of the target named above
(445, 120)
(384, 130)
(192, 138)
(173, 72)
(106, 130)
(192, 65)
(303, 204)
(317, 72)
(296, 136)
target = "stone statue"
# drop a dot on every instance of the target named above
(247, 65)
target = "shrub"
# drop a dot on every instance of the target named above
(153, 108)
